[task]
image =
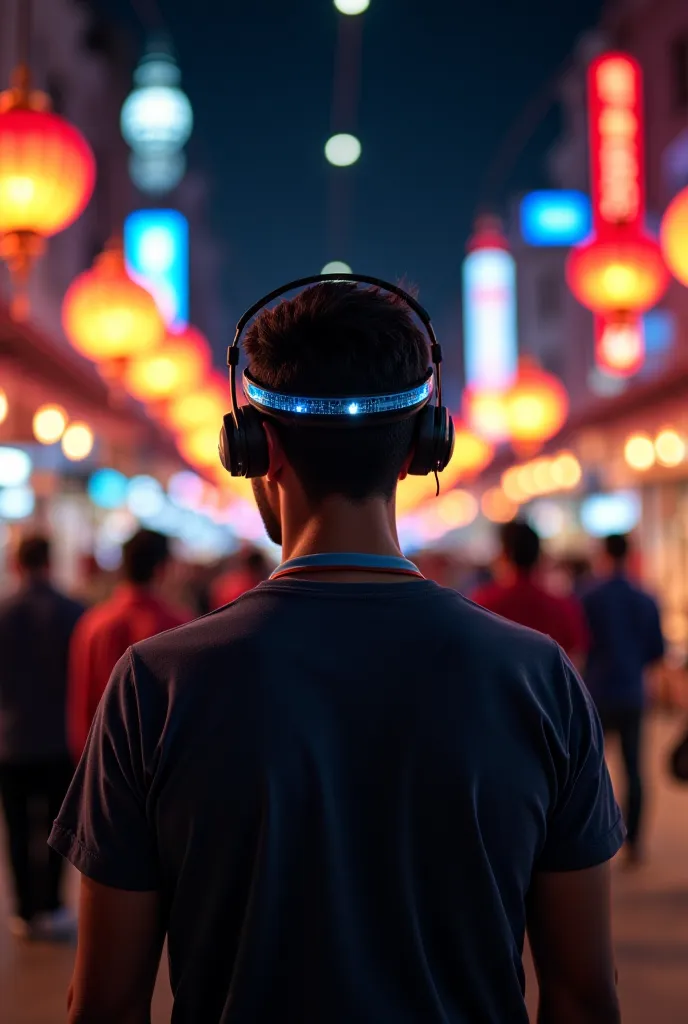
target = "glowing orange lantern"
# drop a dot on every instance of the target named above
(175, 368)
(199, 447)
(485, 412)
(107, 316)
(536, 406)
(619, 344)
(47, 176)
(206, 405)
(472, 454)
(673, 236)
(625, 272)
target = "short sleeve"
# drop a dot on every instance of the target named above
(102, 828)
(584, 827)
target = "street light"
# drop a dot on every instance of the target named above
(342, 150)
(352, 6)
(336, 267)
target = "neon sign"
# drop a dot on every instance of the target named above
(156, 248)
(615, 91)
(489, 316)
(555, 217)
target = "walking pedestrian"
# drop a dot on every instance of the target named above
(627, 640)
(135, 612)
(36, 624)
(252, 569)
(520, 597)
(342, 796)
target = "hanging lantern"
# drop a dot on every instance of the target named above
(206, 405)
(175, 368)
(673, 236)
(107, 316)
(536, 407)
(626, 273)
(485, 412)
(199, 447)
(47, 176)
(619, 344)
(471, 455)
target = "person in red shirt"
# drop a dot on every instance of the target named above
(232, 584)
(134, 612)
(522, 599)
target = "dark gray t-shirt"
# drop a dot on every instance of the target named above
(342, 792)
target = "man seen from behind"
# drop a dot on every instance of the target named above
(346, 795)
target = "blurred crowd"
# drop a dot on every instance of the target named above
(58, 652)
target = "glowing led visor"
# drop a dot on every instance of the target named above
(396, 405)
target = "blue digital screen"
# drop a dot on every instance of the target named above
(559, 218)
(156, 249)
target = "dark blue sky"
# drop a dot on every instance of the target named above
(442, 81)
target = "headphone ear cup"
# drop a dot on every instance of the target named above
(243, 446)
(445, 438)
(423, 461)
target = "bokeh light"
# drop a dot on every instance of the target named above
(108, 489)
(457, 509)
(17, 502)
(77, 442)
(15, 467)
(4, 406)
(342, 150)
(145, 497)
(670, 448)
(639, 452)
(49, 424)
(497, 507)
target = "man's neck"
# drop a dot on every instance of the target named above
(341, 526)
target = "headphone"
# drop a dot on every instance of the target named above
(243, 446)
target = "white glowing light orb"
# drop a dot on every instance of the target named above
(4, 406)
(17, 503)
(156, 115)
(342, 150)
(336, 267)
(156, 173)
(77, 442)
(352, 6)
(145, 497)
(15, 467)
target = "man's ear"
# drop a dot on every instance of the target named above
(407, 462)
(276, 454)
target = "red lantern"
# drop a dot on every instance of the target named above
(47, 176)
(673, 236)
(536, 406)
(485, 412)
(625, 273)
(107, 316)
(207, 404)
(619, 344)
(175, 368)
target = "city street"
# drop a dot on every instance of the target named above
(651, 915)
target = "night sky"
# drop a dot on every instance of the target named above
(441, 83)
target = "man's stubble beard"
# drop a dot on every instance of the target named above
(271, 521)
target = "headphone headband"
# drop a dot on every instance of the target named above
(243, 446)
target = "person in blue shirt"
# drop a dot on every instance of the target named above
(626, 639)
(345, 796)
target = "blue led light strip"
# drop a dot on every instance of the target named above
(364, 406)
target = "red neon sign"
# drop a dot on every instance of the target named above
(615, 117)
(619, 344)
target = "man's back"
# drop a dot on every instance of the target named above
(342, 792)
(36, 625)
(527, 603)
(626, 637)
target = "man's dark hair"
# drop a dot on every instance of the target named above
(521, 544)
(340, 339)
(143, 554)
(617, 547)
(33, 554)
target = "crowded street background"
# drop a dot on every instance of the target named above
(529, 186)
